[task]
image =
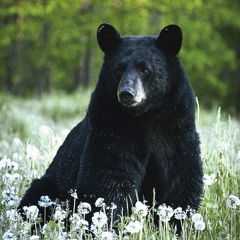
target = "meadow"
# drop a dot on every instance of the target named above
(33, 129)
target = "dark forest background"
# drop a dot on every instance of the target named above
(49, 45)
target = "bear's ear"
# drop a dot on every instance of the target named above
(170, 39)
(108, 37)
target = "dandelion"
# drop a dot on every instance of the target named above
(78, 222)
(60, 214)
(100, 202)
(12, 215)
(73, 193)
(133, 227)
(84, 208)
(34, 237)
(164, 212)
(9, 197)
(107, 236)
(99, 219)
(141, 209)
(179, 214)
(45, 131)
(9, 235)
(209, 179)
(45, 202)
(10, 179)
(31, 212)
(5, 163)
(238, 154)
(197, 217)
(17, 142)
(31, 152)
(199, 225)
(233, 202)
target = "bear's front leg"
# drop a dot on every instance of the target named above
(111, 170)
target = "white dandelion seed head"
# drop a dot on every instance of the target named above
(199, 225)
(209, 179)
(107, 236)
(45, 201)
(34, 237)
(12, 215)
(45, 131)
(31, 212)
(17, 142)
(9, 235)
(233, 201)
(9, 198)
(99, 219)
(10, 179)
(197, 217)
(164, 212)
(5, 163)
(59, 214)
(179, 213)
(100, 202)
(133, 227)
(238, 154)
(73, 193)
(31, 151)
(84, 208)
(141, 209)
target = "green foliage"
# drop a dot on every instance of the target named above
(52, 44)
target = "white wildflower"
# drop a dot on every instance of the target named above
(233, 202)
(99, 219)
(199, 225)
(17, 143)
(31, 152)
(45, 131)
(73, 193)
(209, 179)
(9, 197)
(133, 227)
(84, 208)
(9, 235)
(113, 206)
(60, 214)
(141, 209)
(179, 214)
(78, 222)
(45, 201)
(12, 215)
(5, 163)
(197, 217)
(31, 212)
(11, 178)
(100, 202)
(165, 213)
(107, 236)
(34, 237)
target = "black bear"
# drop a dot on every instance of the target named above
(139, 132)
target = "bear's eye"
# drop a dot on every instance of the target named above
(145, 71)
(119, 72)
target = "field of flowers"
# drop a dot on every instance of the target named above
(33, 129)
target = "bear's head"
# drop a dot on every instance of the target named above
(139, 71)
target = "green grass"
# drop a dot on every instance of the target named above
(33, 129)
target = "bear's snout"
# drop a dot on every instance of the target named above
(126, 96)
(130, 91)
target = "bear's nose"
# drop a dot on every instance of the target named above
(126, 96)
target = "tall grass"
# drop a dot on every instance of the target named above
(31, 132)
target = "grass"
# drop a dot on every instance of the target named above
(31, 132)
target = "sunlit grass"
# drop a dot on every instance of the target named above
(31, 132)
